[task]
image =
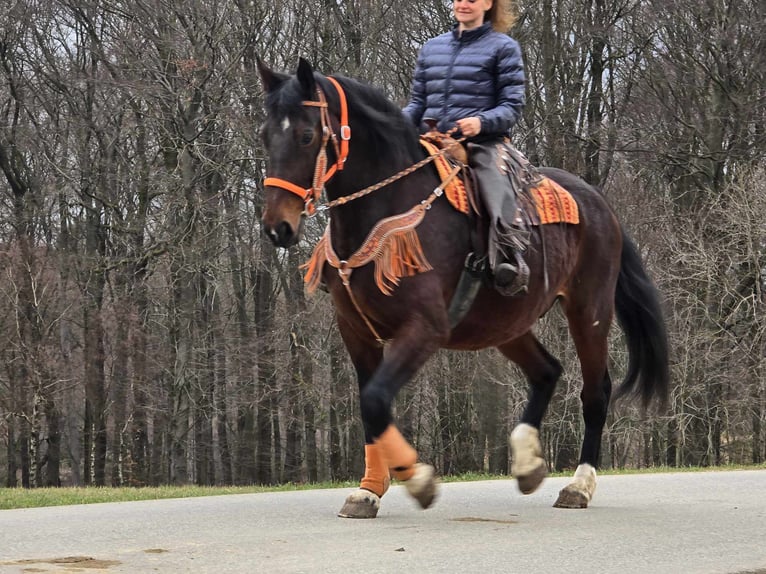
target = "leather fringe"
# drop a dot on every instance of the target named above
(315, 264)
(398, 254)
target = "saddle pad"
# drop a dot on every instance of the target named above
(455, 190)
(554, 203)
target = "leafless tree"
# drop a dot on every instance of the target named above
(150, 335)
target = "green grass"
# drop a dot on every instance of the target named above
(11, 498)
(32, 498)
(668, 469)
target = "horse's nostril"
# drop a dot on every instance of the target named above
(284, 234)
(273, 234)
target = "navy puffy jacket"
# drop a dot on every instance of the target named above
(479, 73)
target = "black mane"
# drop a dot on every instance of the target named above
(390, 129)
(369, 109)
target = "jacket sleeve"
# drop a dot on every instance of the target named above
(413, 111)
(509, 84)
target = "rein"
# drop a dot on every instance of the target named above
(389, 180)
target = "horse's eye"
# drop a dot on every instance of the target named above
(307, 137)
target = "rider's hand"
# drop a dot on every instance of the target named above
(469, 127)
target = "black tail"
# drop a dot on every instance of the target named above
(640, 316)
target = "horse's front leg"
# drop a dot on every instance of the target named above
(419, 478)
(364, 502)
(387, 451)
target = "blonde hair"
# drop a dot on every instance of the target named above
(503, 15)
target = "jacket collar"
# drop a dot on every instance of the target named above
(471, 35)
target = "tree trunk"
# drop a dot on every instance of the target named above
(267, 382)
(206, 403)
(182, 334)
(222, 428)
(312, 449)
(242, 367)
(224, 473)
(595, 95)
(447, 450)
(51, 477)
(756, 421)
(119, 389)
(293, 425)
(12, 461)
(24, 453)
(340, 386)
(303, 365)
(245, 470)
(139, 449)
(220, 465)
(95, 395)
(552, 127)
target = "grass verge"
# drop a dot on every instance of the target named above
(13, 498)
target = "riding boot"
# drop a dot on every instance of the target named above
(507, 239)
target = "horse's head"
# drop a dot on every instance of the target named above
(295, 135)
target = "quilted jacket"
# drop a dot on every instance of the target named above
(477, 73)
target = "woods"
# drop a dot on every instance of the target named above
(151, 335)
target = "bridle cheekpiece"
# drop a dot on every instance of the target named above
(340, 144)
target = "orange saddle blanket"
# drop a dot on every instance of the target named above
(553, 203)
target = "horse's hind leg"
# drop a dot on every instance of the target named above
(542, 371)
(589, 326)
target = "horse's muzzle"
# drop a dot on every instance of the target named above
(282, 218)
(282, 234)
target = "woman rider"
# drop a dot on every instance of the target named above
(472, 78)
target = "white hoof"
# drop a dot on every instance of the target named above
(360, 504)
(423, 486)
(528, 466)
(579, 492)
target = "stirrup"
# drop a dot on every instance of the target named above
(519, 283)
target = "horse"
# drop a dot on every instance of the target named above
(344, 137)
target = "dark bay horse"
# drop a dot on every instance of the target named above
(344, 136)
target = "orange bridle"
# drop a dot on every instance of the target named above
(322, 175)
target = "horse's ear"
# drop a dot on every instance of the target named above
(271, 79)
(305, 75)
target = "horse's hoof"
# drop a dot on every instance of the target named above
(531, 481)
(571, 498)
(423, 486)
(580, 491)
(360, 504)
(528, 465)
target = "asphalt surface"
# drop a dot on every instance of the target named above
(696, 523)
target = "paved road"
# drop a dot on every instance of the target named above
(693, 523)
